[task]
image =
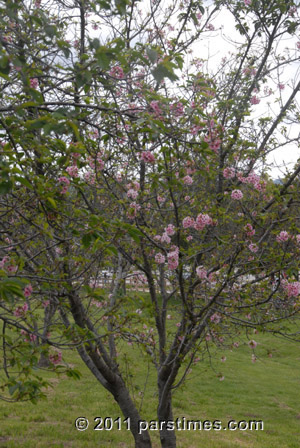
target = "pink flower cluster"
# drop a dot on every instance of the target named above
(28, 290)
(55, 358)
(254, 100)
(66, 182)
(178, 109)
(215, 318)
(282, 237)
(249, 230)
(237, 195)
(250, 71)
(117, 72)
(133, 194)
(188, 222)
(34, 83)
(213, 141)
(165, 238)
(21, 310)
(253, 179)
(147, 157)
(201, 272)
(29, 337)
(202, 221)
(253, 247)
(133, 209)
(173, 257)
(156, 108)
(160, 258)
(72, 171)
(292, 289)
(229, 173)
(187, 180)
(252, 344)
(170, 229)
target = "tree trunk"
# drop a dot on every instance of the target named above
(165, 414)
(130, 412)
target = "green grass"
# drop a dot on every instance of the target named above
(267, 390)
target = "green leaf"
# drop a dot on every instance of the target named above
(86, 240)
(24, 182)
(152, 55)
(36, 95)
(5, 186)
(52, 202)
(161, 72)
(50, 30)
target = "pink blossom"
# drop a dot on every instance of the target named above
(165, 238)
(4, 261)
(173, 259)
(254, 100)
(253, 248)
(178, 109)
(223, 359)
(170, 229)
(90, 177)
(252, 343)
(28, 290)
(293, 289)
(160, 199)
(136, 185)
(237, 194)
(281, 86)
(298, 45)
(132, 194)
(202, 220)
(188, 222)
(160, 258)
(189, 238)
(187, 180)
(64, 180)
(21, 310)
(178, 324)
(156, 108)
(249, 229)
(216, 318)
(72, 171)
(46, 303)
(282, 237)
(34, 83)
(298, 239)
(201, 272)
(133, 209)
(229, 172)
(55, 358)
(117, 72)
(292, 11)
(147, 157)
(247, 2)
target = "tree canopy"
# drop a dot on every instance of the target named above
(122, 149)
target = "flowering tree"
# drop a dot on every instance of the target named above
(121, 149)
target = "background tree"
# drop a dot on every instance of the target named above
(120, 150)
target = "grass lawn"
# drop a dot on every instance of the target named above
(267, 390)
